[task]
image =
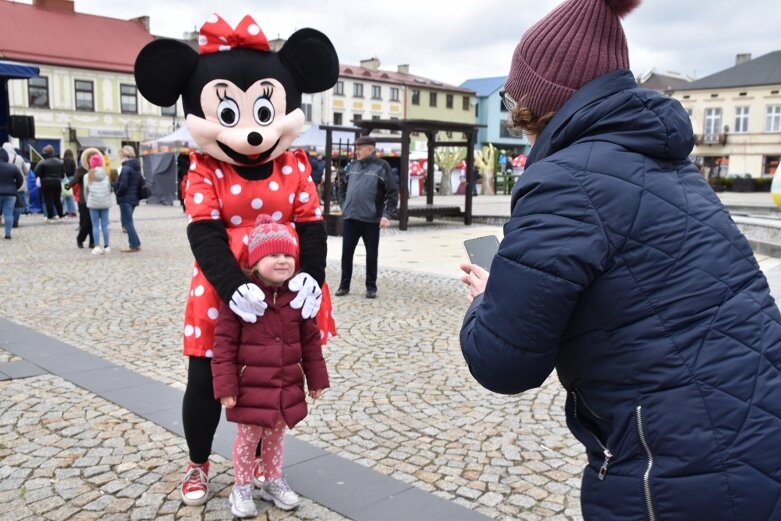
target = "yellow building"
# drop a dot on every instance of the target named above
(736, 116)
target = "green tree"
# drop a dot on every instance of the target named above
(447, 158)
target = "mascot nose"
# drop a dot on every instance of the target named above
(254, 139)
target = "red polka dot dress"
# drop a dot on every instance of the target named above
(215, 191)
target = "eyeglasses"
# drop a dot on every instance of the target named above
(507, 100)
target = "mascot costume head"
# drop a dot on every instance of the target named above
(242, 101)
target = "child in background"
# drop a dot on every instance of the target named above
(259, 369)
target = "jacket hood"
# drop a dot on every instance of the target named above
(614, 109)
(100, 173)
(9, 148)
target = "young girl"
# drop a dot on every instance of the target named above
(259, 368)
(97, 190)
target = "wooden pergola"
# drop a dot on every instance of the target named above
(406, 128)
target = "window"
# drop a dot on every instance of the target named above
(415, 97)
(477, 110)
(394, 94)
(337, 118)
(449, 101)
(85, 97)
(502, 108)
(465, 103)
(712, 121)
(128, 99)
(306, 108)
(773, 118)
(168, 111)
(38, 92)
(357, 117)
(375, 118)
(358, 90)
(432, 99)
(376, 92)
(741, 119)
(339, 88)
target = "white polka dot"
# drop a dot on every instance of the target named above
(195, 272)
(276, 216)
(191, 293)
(322, 334)
(219, 173)
(189, 219)
(223, 39)
(245, 240)
(236, 189)
(257, 203)
(199, 290)
(213, 19)
(301, 166)
(253, 29)
(215, 214)
(292, 198)
(187, 185)
(197, 332)
(318, 212)
(310, 179)
(189, 330)
(236, 220)
(202, 40)
(207, 181)
(303, 197)
(287, 169)
(198, 198)
(273, 186)
(193, 166)
(224, 48)
(209, 354)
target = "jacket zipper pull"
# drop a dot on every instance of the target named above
(274, 298)
(603, 468)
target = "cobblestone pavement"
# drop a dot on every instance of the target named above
(402, 401)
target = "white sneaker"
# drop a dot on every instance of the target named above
(280, 493)
(97, 250)
(106, 250)
(241, 502)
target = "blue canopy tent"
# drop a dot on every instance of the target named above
(11, 71)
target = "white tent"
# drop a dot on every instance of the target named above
(180, 137)
(314, 137)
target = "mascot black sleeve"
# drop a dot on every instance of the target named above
(314, 248)
(209, 244)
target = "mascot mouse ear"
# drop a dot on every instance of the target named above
(162, 70)
(312, 59)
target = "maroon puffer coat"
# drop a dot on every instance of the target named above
(263, 364)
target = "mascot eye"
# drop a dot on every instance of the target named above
(264, 111)
(228, 112)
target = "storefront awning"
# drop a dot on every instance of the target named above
(14, 70)
(90, 141)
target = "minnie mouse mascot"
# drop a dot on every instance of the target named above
(243, 108)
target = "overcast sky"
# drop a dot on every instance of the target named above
(452, 41)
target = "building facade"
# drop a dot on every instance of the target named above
(492, 114)
(736, 117)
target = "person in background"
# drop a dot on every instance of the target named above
(51, 172)
(22, 206)
(368, 195)
(97, 190)
(68, 200)
(126, 188)
(10, 181)
(77, 184)
(182, 167)
(621, 269)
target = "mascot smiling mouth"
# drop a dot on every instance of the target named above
(255, 159)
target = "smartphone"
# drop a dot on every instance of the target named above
(482, 250)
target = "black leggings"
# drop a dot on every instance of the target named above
(200, 411)
(52, 194)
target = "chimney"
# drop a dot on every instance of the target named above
(143, 20)
(371, 63)
(55, 5)
(403, 68)
(742, 58)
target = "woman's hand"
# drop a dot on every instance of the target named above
(315, 393)
(476, 278)
(229, 402)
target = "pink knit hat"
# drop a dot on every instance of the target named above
(575, 43)
(270, 237)
(95, 161)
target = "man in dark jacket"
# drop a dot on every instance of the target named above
(367, 195)
(126, 188)
(10, 181)
(51, 172)
(621, 269)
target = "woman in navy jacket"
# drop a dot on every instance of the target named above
(621, 269)
(126, 188)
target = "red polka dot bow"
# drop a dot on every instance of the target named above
(216, 35)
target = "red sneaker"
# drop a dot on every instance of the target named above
(195, 487)
(258, 473)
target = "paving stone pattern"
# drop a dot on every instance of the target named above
(402, 401)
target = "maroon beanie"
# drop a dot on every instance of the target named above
(575, 43)
(270, 237)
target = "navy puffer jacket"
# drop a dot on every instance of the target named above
(127, 184)
(621, 269)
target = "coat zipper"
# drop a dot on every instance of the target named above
(647, 474)
(274, 297)
(605, 450)
(241, 371)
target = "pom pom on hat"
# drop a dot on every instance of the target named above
(622, 7)
(95, 161)
(269, 237)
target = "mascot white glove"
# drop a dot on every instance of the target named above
(309, 294)
(248, 302)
